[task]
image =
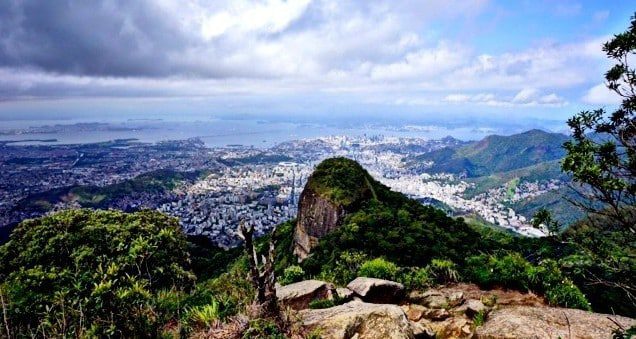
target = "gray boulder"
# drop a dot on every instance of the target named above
(360, 320)
(298, 295)
(344, 293)
(430, 299)
(549, 322)
(377, 291)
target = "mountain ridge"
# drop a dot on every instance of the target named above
(494, 153)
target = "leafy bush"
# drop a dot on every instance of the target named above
(510, 271)
(322, 303)
(263, 329)
(513, 271)
(292, 274)
(479, 318)
(204, 316)
(567, 294)
(345, 268)
(232, 290)
(316, 333)
(444, 271)
(94, 273)
(416, 278)
(378, 268)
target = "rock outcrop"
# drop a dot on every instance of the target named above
(456, 311)
(549, 322)
(298, 295)
(377, 291)
(336, 187)
(317, 216)
(360, 320)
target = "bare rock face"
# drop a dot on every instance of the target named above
(430, 298)
(344, 293)
(317, 216)
(336, 187)
(472, 307)
(549, 322)
(359, 320)
(377, 290)
(298, 295)
(422, 331)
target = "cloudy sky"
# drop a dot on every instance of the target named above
(505, 59)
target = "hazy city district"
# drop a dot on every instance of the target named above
(211, 189)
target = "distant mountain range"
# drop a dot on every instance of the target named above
(498, 160)
(494, 154)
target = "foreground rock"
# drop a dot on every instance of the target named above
(377, 291)
(298, 295)
(473, 307)
(360, 320)
(430, 298)
(548, 322)
(344, 294)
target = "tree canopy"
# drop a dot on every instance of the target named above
(94, 273)
(602, 154)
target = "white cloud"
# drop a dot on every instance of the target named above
(551, 99)
(525, 96)
(601, 95)
(423, 63)
(457, 98)
(390, 51)
(270, 17)
(528, 97)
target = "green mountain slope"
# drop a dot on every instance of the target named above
(496, 153)
(557, 202)
(542, 171)
(379, 221)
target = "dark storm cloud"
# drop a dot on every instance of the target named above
(106, 38)
(396, 52)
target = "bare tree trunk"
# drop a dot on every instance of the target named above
(4, 315)
(262, 274)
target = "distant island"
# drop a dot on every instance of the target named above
(4, 142)
(70, 128)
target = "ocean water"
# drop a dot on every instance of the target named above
(221, 132)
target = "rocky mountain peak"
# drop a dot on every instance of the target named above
(337, 186)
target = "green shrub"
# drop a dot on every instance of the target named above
(510, 271)
(568, 295)
(291, 275)
(232, 290)
(513, 271)
(263, 329)
(169, 304)
(204, 316)
(416, 278)
(316, 333)
(378, 268)
(444, 271)
(345, 268)
(322, 303)
(94, 273)
(479, 318)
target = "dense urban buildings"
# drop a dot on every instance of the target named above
(223, 186)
